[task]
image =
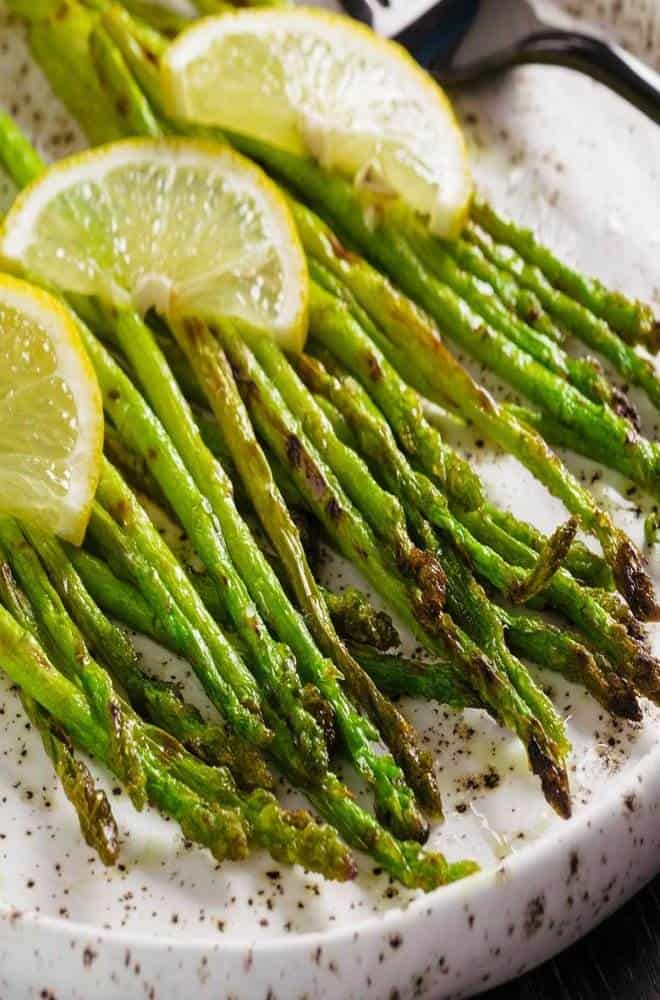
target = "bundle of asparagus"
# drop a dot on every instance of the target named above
(229, 441)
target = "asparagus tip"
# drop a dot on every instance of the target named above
(623, 702)
(634, 582)
(554, 779)
(550, 558)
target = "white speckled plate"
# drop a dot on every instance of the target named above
(583, 167)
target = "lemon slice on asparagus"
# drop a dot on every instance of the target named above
(321, 84)
(51, 413)
(179, 225)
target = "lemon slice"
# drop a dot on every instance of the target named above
(51, 413)
(321, 84)
(178, 225)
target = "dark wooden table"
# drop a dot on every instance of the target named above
(620, 960)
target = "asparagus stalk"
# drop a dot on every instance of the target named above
(604, 633)
(288, 836)
(214, 373)
(203, 800)
(226, 546)
(589, 328)
(393, 798)
(328, 795)
(435, 372)
(583, 564)
(554, 432)
(342, 336)
(20, 159)
(277, 425)
(60, 44)
(357, 621)
(419, 494)
(398, 676)
(65, 642)
(114, 77)
(353, 615)
(336, 329)
(28, 666)
(160, 702)
(610, 435)
(121, 600)
(377, 442)
(633, 320)
(143, 554)
(97, 823)
(464, 270)
(551, 647)
(403, 860)
(222, 828)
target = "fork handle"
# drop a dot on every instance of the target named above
(606, 62)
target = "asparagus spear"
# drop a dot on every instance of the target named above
(97, 823)
(557, 434)
(608, 434)
(226, 832)
(174, 601)
(234, 551)
(93, 681)
(20, 159)
(288, 836)
(583, 564)
(464, 270)
(419, 494)
(353, 616)
(405, 861)
(357, 621)
(157, 700)
(114, 77)
(60, 44)
(394, 799)
(633, 320)
(614, 693)
(203, 800)
(439, 681)
(436, 373)
(360, 354)
(578, 319)
(214, 373)
(121, 600)
(28, 666)
(604, 633)
(278, 427)
(376, 440)
(328, 796)
(551, 647)
(336, 329)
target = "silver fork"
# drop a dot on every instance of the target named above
(505, 33)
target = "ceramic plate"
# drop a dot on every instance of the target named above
(556, 150)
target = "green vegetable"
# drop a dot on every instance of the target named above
(214, 373)
(633, 320)
(97, 823)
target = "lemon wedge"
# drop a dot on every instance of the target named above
(323, 85)
(51, 413)
(178, 225)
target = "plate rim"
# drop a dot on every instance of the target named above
(553, 844)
